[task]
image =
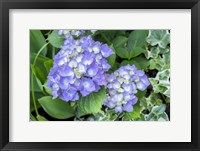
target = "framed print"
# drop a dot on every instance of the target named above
(102, 75)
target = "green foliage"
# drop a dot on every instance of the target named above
(92, 103)
(140, 62)
(148, 50)
(159, 37)
(134, 115)
(48, 64)
(41, 118)
(147, 103)
(157, 114)
(136, 43)
(57, 108)
(55, 39)
(122, 52)
(37, 40)
(108, 115)
(120, 41)
(161, 83)
(111, 59)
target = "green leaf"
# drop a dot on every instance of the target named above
(111, 59)
(119, 41)
(122, 52)
(37, 88)
(32, 118)
(47, 89)
(92, 103)
(114, 68)
(148, 102)
(38, 74)
(40, 61)
(152, 53)
(130, 62)
(160, 63)
(163, 76)
(158, 110)
(41, 118)
(48, 64)
(159, 37)
(108, 115)
(55, 39)
(135, 114)
(156, 63)
(136, 51)
(140, 62)
(136, 42)
(161, 83)
(37, 79)
(163, 117)
(57, 108)
(143, 62)
(137, 38)
(37, 40)
(157, 114)
(37, 96)
(141, 94)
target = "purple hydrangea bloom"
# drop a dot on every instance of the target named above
(79, 68)
(93, 31)
(68, 33)
(122, 86)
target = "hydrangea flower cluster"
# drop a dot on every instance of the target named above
(123, 85)
(68, 33)
(79, 66)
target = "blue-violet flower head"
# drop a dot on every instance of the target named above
(122, 87)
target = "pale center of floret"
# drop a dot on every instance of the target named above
(117, 85)
(131, 73)
(139, 85)
(71, 73)
(79, 49)
(90, 71)
(81, 68)
(86, 84)
(124, 101)
(137, 79)
(121, 80)
(62, 61)
(126, 81)
(73, 64)
(87, 62)
(127, 88)
(65, 82)
(96, 49)
(79, 58)
(120, 90)
(116, 73)
(55, 86)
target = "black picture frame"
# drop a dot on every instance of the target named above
(5, 5)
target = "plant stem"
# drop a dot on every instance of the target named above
(32, 117)
(53, 52)
(33, 95)
(39, 53)
(32, 83)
